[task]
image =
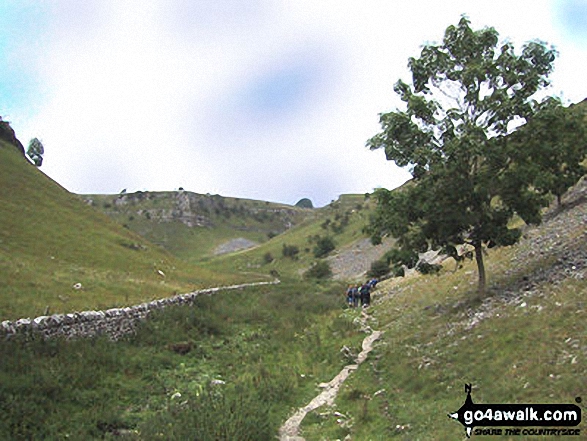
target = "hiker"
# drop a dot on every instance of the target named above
(349, 296)
(356, 296)
(373, 282)
(365, 292)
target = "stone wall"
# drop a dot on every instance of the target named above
(115, 322)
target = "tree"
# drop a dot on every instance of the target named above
(324, 245)
(36, 152)
(553, 145)
(467, 95)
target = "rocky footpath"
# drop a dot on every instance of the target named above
(290, 430)
(114, 323)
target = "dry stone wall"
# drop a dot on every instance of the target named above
(115, 322)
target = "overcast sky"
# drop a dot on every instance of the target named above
(262, 99)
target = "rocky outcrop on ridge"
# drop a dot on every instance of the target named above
(7, 134)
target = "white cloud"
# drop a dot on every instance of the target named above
(266, 99)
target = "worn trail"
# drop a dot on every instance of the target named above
(289, 431)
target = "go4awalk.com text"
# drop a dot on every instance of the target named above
(536, 419)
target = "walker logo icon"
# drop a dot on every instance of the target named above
(472, 415)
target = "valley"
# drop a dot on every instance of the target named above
(237, 364)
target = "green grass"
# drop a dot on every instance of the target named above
(50, 240)
(302, 236)
(221, 218)
(231, 218)
(528, 353)
(269, 345)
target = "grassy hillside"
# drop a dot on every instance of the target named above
(195, 227)
(342, 221)
(257, 354)
(192, 226)
(50, 240)
(252, 356)
(523, 344)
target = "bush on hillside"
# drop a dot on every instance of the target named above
(320, 270)
(36, 151)
(428, 268)
(379, 268)
(290, 251)
(324, 245)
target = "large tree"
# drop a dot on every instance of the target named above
(467, 94)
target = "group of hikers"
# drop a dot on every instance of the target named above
(360, 293)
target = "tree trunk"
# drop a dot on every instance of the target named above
(481, 269)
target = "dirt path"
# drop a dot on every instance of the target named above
(289, 431)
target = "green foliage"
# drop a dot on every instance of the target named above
(379, 268)
(424, 267)
(466, 92)
(401, 257)
(319, 270)
(255, 354)
(267, 258)
(213, 415)
(324, 245)
(552, 147)
(429, 350)
(50, 239)
(36, 151)
(290, 251)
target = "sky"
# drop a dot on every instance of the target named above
(261, 99)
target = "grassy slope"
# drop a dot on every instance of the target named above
(50, 240)
(226, 218)
(528, 347)
(269, 346)
(300, 236)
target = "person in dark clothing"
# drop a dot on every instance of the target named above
(349, 296)
(365, 293)
(373, 283)
(356, 296)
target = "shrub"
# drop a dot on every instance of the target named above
(267, 258)
(320, 270)
(324, 245)
(290, 251)
(428, 268)
(379, 268)
(398, 271)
